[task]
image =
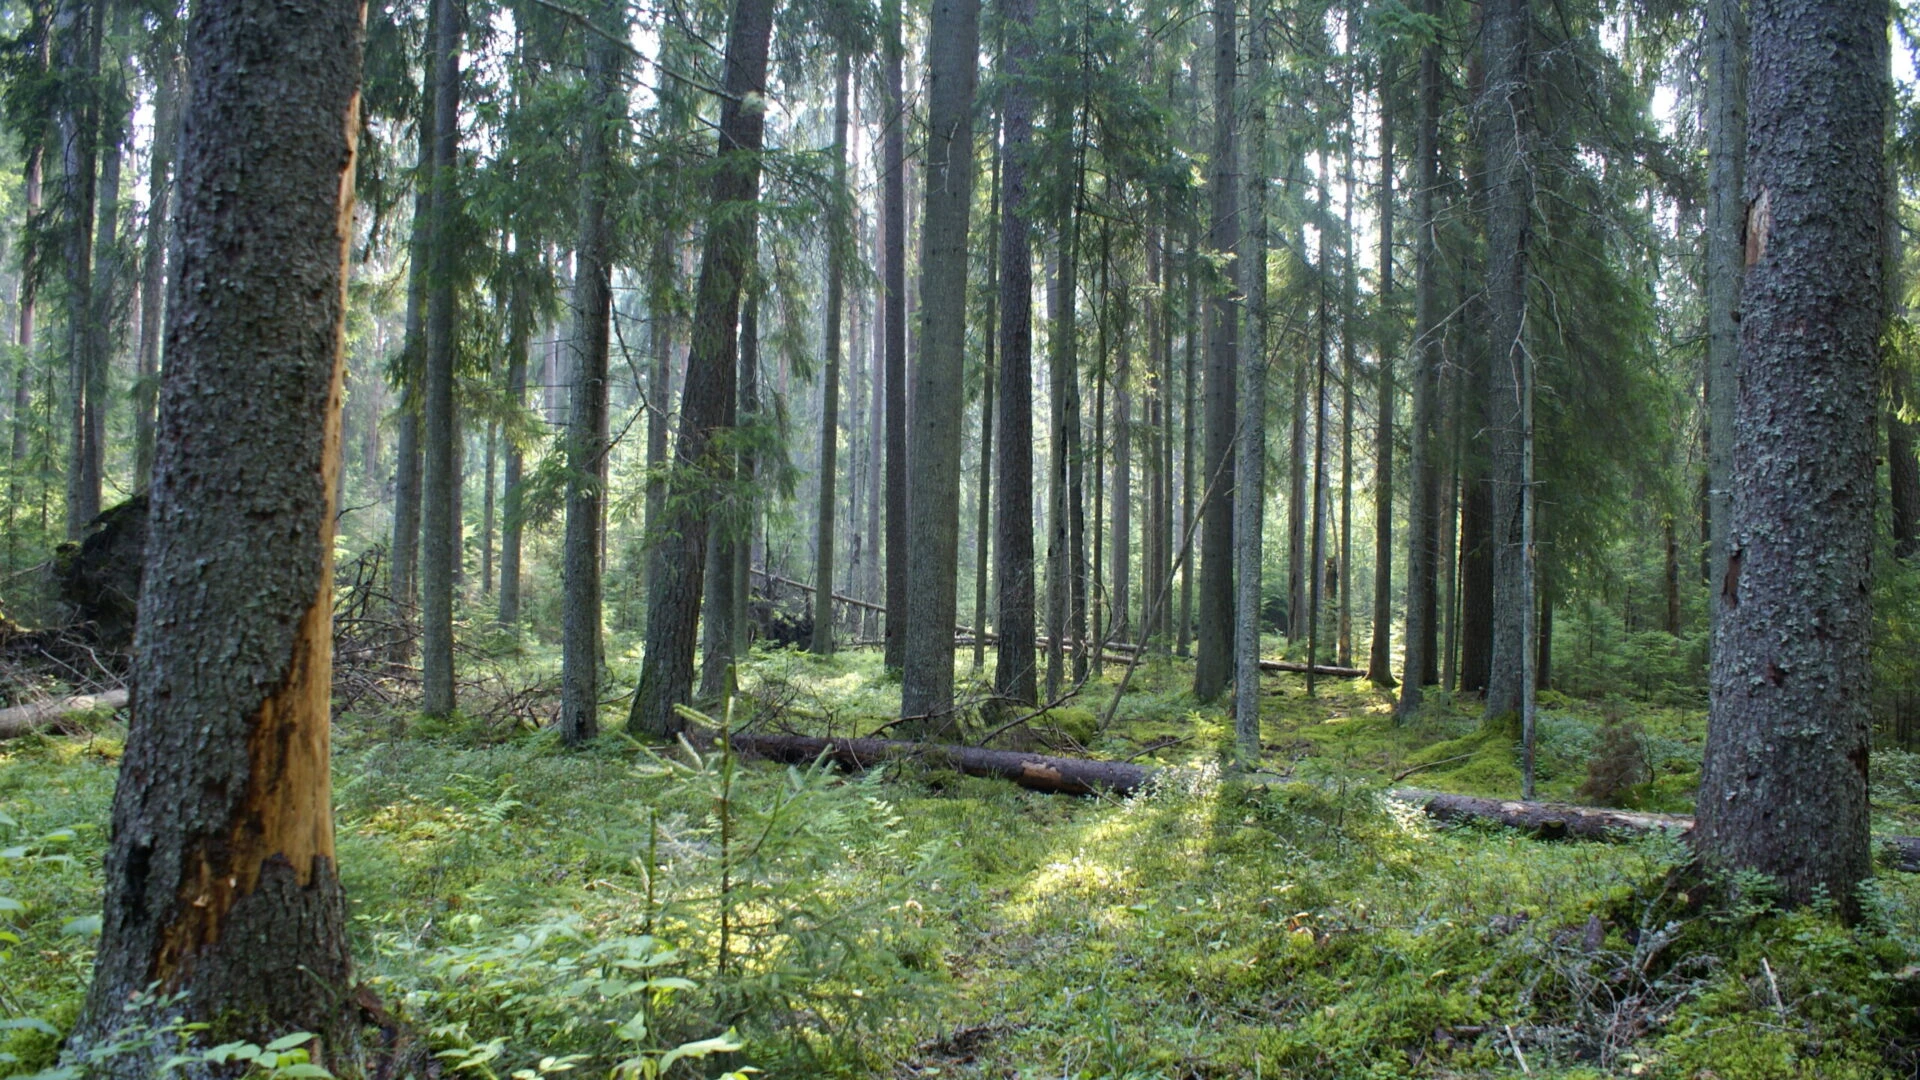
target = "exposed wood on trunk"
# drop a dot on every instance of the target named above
(38, 715)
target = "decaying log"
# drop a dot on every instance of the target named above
(1084, 776)
(1040, 772)
(33, 716)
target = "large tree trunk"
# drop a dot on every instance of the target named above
(822, 643)
(1784, 783)
(587, 426)
(1215, 652)
(1250, 461)
(439, 548)
(1014, 676)
(220, 880)
(1726, 49)
(1505, 116)
(1380, 640)
(893, 227)
(673, 610)
(933, 454)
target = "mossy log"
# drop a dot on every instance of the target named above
(37, 715)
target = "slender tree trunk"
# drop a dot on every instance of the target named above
(1014, 676)
(1316, 560)
(1214, 662)
(822, 643)
(1250, 444)
(1903, 479)
(1380, 640)
(1060, 378)
(933, 457)
(1299, 424)
(666, 673)
(1121, 621)
(77, 30)
(488, 467)
(1422, 522)
(1476, 581)
(748, 413)
(1447, 477)
(407, 468)
(1349, 378)
(663, 266)
(604, 110)
(1189, 380)
(439, 548)
(1726, 49)
(38, 45)
(220, 878)
(104, 308)
(1784, 785)
(983, 526)
(1506, 140)
(513, 508)
(153, 269)
(893, 226)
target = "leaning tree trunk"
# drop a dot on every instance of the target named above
(220, 879)
(439, 547)
(587, 426)
(674, 608)
(1784, 783)
(829, 509)
(933, 452)
(1014, 676)
(1214, 661)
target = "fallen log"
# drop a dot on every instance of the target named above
(1120, 652)
(34, 716)
(1040, 772)
(1085, 776)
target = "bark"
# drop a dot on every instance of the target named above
(104, 309)
(1250, 462)
(1506, 140)
(822, 643)
(439, 549)
(1039, 772)
(604, 113)
(666, 675)
(519, 323)
(1423, 523)
(1380, 640)
(1015, 676)
(1121, 626)
(1672, 623)
(220, 879)
(153, 269)
(665, 256)
(36, 43)
(933, 455)
(406, 474)
(490, 463)
(1726, 49)
(1189, 408)
(893, 226)
(1784, 782)
(1316, 560)
(747, 412)
(1476, 582)
(1215, 645)
(39, 715)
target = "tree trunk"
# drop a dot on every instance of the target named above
(662, 269)
(603, 112)
(822, 643)
(220, 880)
(893, 226)
(77, 31)
(1215, 646)
(1422, 522)
(673, 610)
(1120, 622)
(1726, 49)
(933, 455)
(1380, 640)
(153, 269)
(1903, 475)
(1014, 676)
(748, 410)
(1784, 783)
(1506, 141)
(1250, 462)
(1476, 582)
(983, 524)
(103, 311)
(1317, 543)
(439, 549)
(519, 319)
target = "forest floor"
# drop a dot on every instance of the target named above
(536, 910)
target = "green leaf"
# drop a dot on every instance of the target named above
(288, 1042)
(28, 1023)
(719, 1044)
(86, 925)
(8, 903)
(304, 1069)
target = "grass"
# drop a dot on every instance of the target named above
(518, 902)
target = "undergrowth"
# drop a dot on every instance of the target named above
(534, 911)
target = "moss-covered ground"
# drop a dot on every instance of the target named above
(534, 910)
